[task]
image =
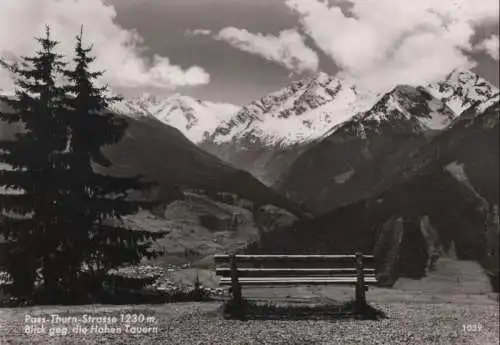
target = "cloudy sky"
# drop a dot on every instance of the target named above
(238, 50)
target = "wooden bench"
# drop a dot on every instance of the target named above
(274, 270)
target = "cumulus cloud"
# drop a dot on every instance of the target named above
(119, 52)
(287, 49)
(388, 42)
(490, 46)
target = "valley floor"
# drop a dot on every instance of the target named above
(451, 306)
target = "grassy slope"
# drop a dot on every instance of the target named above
(163, 154)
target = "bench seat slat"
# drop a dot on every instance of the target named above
(262, 272)
(298, 280)
(251, 258)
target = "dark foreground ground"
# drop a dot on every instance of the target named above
(452, 307)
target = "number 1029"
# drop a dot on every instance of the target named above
(472, 327)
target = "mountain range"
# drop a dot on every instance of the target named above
(359, 157)
(268, 135)
(412, 172)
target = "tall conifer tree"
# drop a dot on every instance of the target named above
(96, 203)
(31, 209)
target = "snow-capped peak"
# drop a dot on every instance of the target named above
(147, 99)
(415, 104)
(302, 111)
(432, 107)
(194, 118)
(463, 89)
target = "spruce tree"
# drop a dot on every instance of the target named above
(30, 210)
(60, 214)
(96, 203)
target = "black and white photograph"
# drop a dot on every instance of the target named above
(249, 172)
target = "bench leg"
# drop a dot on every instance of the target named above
(360, 296)
(235, 284)
(360, 284)
(236, 292)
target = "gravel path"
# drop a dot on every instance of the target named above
(433, 310)
(201, 324)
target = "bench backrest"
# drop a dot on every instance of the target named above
(295, 269)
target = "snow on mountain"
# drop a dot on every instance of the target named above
(196, 119)
(404, 108)
(310, 109)
(414, 104)
(430, 107)
(463, 89)
(299, 113)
